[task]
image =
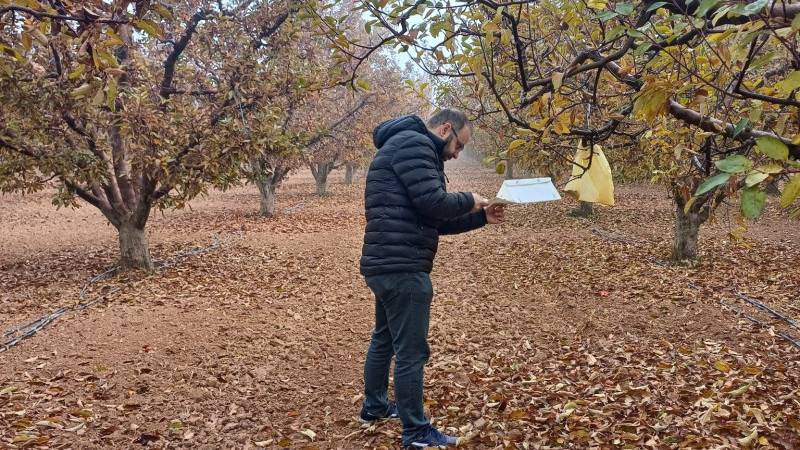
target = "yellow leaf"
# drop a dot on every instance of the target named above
(557, 79)
(791, 191)
(689, 205)
(722, 366)
(77, 72)
(516, 143)
(111, 95)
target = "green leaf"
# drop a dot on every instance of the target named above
(624, 8)
(789, 84)
(734, 164)
(705, 6)
(149, 27)
(712, 182)
(500, 168)
(770, 168)
(740, 126)
(640, 49)
(755, 7)
(656, 6)
(12, 52)
(363, 85)
(796, 23)
(762, 60)
(773, 148)
(606, 16)
(755, 177)
(791, 191)
(753, 202)
(616, 31)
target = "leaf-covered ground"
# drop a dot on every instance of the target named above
(547, 332)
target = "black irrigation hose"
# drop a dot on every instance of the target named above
(735, 292)
(764, 307)
(758, 322)
(37, 324)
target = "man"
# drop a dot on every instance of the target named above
(407, 208)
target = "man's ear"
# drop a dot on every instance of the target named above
(445, 129)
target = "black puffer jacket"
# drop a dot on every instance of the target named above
(407, 206)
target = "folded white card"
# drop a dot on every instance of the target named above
(526, 190)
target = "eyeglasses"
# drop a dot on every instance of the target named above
(459, 145)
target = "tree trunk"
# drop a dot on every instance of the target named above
(267, 190)
(687, 226)
(133, 246)
(349, 172)
(321, 177)
(509, 170)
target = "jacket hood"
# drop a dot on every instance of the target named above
(391, 127)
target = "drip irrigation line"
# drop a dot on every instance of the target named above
(764, 307)
(609, 237)
(30, 328)
(758, 322)
(736, 292)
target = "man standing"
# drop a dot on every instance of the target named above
(407, 208)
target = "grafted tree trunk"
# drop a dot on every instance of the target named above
(320, 171)
(687, 226)
(267, 190)
(268, 174)
(322, 183)
(349, 173)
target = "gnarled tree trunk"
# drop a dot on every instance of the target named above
(687, 226)
(349, 173)
(321, 170)
(267, 190)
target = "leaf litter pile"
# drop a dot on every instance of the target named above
(550, 331)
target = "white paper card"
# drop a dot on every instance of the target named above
(527, 190)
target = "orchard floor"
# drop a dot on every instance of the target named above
(545, 332)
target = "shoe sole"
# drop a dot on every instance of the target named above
(377, 420)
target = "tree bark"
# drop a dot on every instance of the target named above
(349, 172)
(687, 226)
(267, 190)
(321, 172)
(509, 170)
(133, 246)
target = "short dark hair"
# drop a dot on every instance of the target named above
(453, 116)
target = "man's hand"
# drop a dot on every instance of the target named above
(480, 202)
(495, 213)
